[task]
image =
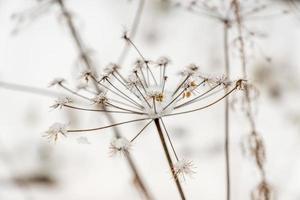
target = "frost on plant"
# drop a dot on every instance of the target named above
(182, 168)
(145, 95)
(119, 145)
(55, 130)
(61, 101)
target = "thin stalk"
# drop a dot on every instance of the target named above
(174, 99)
(154, 106)
(144, 60)
(28, 89)
(164, 84)
(139, 133)
(125, 95)
(197, 98)
(99, 110)
(170, 141)
(74, 92)
(134, 26)
(248, 111)
(169, 159)
(142, 95)
(142, 84)
(116, 93)
(103, 110)
(123, 82)
(118, 107)
(203, 97)
(227, 116)
(206, 106)
(105, 127)
(181, 84)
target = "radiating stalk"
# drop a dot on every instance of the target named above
(169, 159)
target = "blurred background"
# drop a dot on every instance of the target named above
(35, 47)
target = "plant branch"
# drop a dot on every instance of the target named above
(169, 159)
(227, 116)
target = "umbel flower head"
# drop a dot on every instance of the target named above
(183, 167)
(55, 130)
(121, 145)
(61, 101)
(144, 95)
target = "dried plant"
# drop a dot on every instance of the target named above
(263, 191)
(231, 14)
(145, 94)
(89, 65)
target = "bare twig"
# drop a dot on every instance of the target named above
(258, 149)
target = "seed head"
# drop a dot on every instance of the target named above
(86, 74)
(111, 68)
(191, 70)
(183, 167)
(56, 81)
(162, 61)
(125, 35)
(100, 98)
(55, 130)
(138, 64)
(121, 145)
(60, 102)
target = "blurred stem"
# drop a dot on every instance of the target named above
(227, 73)
(248, 111)
(134, 26)
(81, 49)
(169, 159)
(28, 89)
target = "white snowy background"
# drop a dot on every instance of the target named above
(43, 50)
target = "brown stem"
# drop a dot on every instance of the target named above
(169, 159)
(248, 111)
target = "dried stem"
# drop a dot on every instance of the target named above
(141, 131)
(208, 105)
(136, 21)
(28, 89)
(227, 139)
(77, 40)
(169, 159)
(258, 149)
(108, 126)
(103, 110)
